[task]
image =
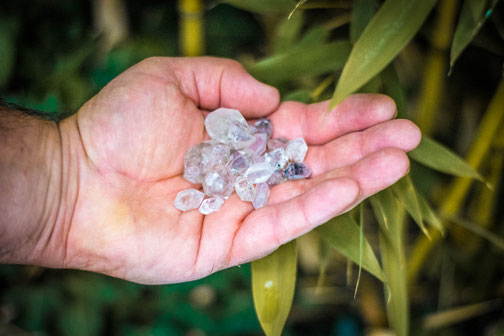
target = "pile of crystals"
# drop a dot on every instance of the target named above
(239, 157)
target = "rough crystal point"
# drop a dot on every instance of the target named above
(219, 182)
(297, 171)
(277, 159)
(259, 145)
(228, 126)
(193, 168)
(214, 153)
(245, 189)
(296, 149)
(276, 143)
(264, 126)
(276, 178)
(238, 162)
(259, 172)
(188, 199)
(262, 195)
(211, 205)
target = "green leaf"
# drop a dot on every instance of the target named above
(362, 13)
(343, 234)
(472, 16)
(436, 156)
(407, 195)
(391, 28)
(287, 33)
(263, 6)
(314, 37)
(273, 283)
(297, 63)
(361, 246)
(391, 218)
(428, 214)
(392, 87)
(480, 231)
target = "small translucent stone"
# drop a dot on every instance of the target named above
(276, 178)
(188, 199)
(245, 189)
(210, 205)
(276, 143)
(219, 182)
(297, 171)
(263, 126)
(259, 145)
(193, 168)
(214, 153)
(277, 159)
(259, 172)
(238, 162)
(228, 126)
(296, 149)
(262, 195)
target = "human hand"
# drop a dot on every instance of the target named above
(123, 164)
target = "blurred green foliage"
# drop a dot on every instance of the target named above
(53, 58)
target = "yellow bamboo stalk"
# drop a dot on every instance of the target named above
(191, 36)
(436, 66)
(459, 189)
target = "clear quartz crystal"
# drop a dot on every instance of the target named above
(245, 189)
(188, 199)
(219, 182)
(210, 205)
(239, 157)
(229, 127)
(296, 149)
(262, 195)
(297, 171)
(277, 159)
(259, 172)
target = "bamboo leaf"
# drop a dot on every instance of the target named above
(479, 230)
(362, 13)
(287, 33)
(392, 87)
(391, 218)
(391, 28)
(407, 195)
(428, 214)
(273, 284)
(361, 246)
(263, 6)
(473, 15)
(343, 234)
(296, 63)
(436, 156)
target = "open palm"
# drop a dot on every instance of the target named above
(129, 146)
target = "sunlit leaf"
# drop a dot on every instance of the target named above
(343, 234)
(436, 156)
(407, 195)
(472, 16)
(273, 283)
(390, 29)
(362, 12)
(296, 63)
(391, 218)
(263, 6)
(428, 214)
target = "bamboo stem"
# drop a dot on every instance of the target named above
(191, 28)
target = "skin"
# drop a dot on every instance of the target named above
(118, 165)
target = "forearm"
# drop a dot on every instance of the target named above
(31, 189)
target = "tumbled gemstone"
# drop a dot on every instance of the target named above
(210, 205)
(259, 145)
(228, 126)
(259, 172)
(245, 189)
(262, 195)
(188, 199)
(296, 149)
(214, 153)
(276, 178)
(193, 168)
(219, 182)
(276, 143)
(264, 126)
(297, 171)
(277, 159)
(238, 162)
